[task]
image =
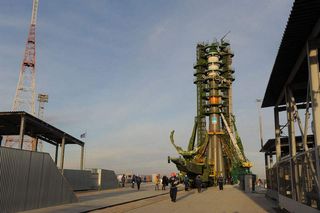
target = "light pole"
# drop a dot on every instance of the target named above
(42, 98)
(260, 120)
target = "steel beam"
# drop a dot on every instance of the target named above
(22, 124)
(56, 155)
(266, 164)
(292, 141)
(221, 169)
(62, 153)
(266, 161)
(315, 92)
(299, 106)
(81, 157)
(313, 65)
(37, 142)
(290, 118)
(260, 122)
(277, 134)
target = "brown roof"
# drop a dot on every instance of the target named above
(34, 127)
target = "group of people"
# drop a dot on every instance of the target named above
(164, 181)
(173, 181)
(198, 184)
(136, 179)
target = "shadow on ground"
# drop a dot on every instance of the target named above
(185, 195)
(259, 197)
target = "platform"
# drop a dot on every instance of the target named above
(148, 200)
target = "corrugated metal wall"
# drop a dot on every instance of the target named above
(108, 179)
(80, 179)
(105, 179)
(90, 179)
(30, 180)
(95, 180)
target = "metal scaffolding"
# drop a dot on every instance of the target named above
(294, 88)
(219, 148)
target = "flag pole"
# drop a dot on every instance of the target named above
(85, 141)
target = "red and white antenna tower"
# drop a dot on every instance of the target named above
(25, 97)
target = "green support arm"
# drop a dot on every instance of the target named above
(185, 154)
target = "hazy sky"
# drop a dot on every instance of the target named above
(123, 71)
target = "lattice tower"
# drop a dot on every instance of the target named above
(24, 99)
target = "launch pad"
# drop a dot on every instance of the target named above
(219, 150)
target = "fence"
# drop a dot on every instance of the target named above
(30, 180)
(295, 178)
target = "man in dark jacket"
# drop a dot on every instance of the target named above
(220, 182)
(174, 181)
(133, 181)
(164, 182)
(123, 180)
(186, 183)
(198, 183)
(138, 180)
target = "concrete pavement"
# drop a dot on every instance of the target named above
(92, 200)
(231, 199)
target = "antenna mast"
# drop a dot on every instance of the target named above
(24, 99)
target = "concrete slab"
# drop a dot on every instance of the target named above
(230, 200)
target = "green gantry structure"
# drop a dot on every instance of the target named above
(219, 149)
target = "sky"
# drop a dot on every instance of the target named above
(122, 71)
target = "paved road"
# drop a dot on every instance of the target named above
(230, 200)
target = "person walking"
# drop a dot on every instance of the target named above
(133, 181)
(138, 180)
(123, 180)
(186, 182)
(220, 182)
(157, 182)
(164, 182)
(174, 181)
(198, 183)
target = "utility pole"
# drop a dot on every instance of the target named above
(259, 102)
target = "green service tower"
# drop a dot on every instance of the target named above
(218, 150)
